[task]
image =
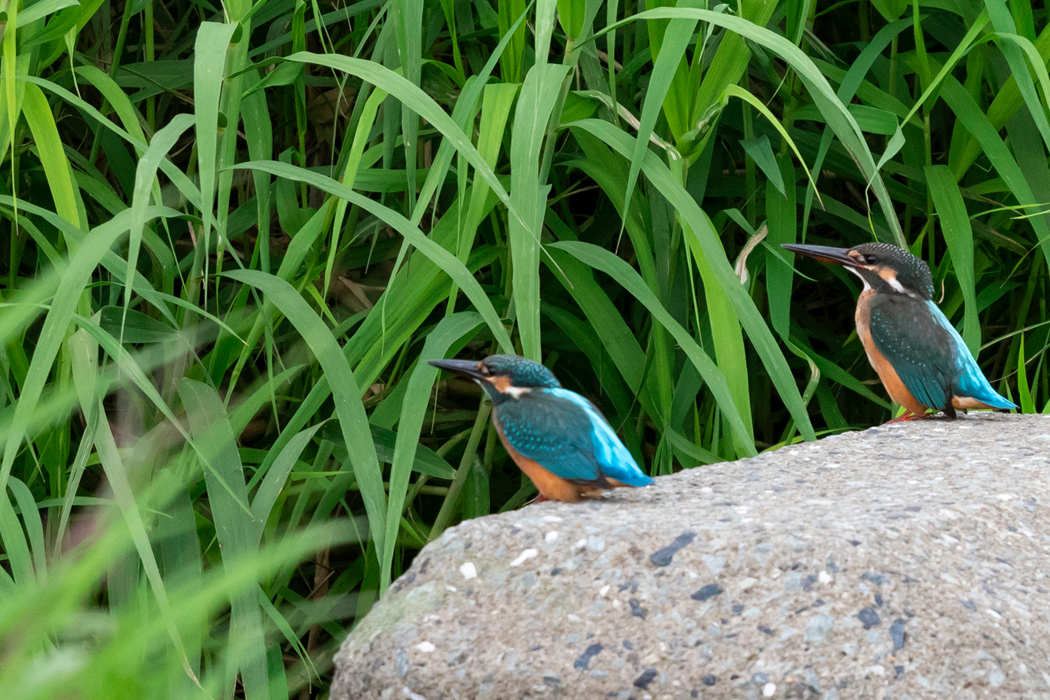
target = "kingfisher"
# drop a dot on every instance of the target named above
(558, 438)
(917, 353)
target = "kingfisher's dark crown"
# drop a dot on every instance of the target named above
(521, 372)
(913, 273)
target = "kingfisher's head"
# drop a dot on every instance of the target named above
(884, 268)
(503, 376)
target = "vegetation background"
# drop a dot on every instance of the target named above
(232, 233)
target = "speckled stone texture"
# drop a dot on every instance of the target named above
(904, 561)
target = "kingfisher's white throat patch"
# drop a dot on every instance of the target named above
(504, 386)
(891, 279)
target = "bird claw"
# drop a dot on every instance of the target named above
(908, 415)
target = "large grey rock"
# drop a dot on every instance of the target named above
(904, 561)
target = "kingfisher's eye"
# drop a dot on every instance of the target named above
(872, 260)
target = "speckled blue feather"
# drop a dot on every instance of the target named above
(568, 436)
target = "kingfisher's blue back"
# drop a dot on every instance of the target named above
(565, 434)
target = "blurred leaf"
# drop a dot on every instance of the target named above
(135, 327)
(234, 526)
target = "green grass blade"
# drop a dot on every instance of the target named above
(1004, 26)
(782, 219)
(274, 481)
(978, 124)
(34, 526)
(851, 82)
(496, 104)
(1024, 394)
(955, 225)
(408, 22)
(115, 98)
(529, 197)
(607, 323)
(145, 176)
(761, 152)
(727, 333)
(184, 184)
(52, 156)
(771, 170)
(544, 28)
(833, 109)
(672, 48)
(209, 73)
(1005, 105)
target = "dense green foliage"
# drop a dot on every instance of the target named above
(232, 235)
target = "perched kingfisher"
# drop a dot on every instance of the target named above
(917, 353)
(558, 438)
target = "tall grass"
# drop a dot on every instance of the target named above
(233, 235)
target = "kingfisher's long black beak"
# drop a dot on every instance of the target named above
(823, 253)
(465, 368)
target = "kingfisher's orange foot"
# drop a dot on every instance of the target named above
(541, 498)
(907, 416)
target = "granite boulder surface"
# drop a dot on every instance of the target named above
(909, 560)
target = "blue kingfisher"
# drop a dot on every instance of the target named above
(917, 353)
(557, 437)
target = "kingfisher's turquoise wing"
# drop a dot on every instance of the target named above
(613, 458)
(567, 436)
(553, 434)
(969, 381)
(921, 351)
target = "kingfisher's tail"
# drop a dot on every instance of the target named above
(972, 384)
(969, 382)
(989, 397)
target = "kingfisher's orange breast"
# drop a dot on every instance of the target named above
(887, 375)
